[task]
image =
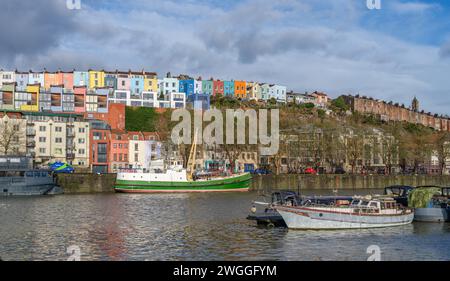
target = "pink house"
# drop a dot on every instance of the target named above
(80, 98)
(67, 80)
(123, 81)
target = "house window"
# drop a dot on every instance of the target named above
(115, 157)
(58, 140)
(42, 128)
(41, 150)
(58, 129)
(136, 147)
(81, 130)
(81, 141)
(81, 151)
(42, 139)
(136, 157)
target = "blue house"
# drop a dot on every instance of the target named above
(187, 87)
(136, 83)
(228, 88)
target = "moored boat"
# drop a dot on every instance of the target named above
(361, 213)
(176, 180)
(269, 216)
(18, 178)
(431, 204)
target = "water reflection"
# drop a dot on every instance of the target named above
(190, 227)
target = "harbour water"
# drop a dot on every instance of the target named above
(190, 227)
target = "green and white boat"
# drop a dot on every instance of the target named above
(178, 181)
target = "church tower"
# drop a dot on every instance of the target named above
(415, 105)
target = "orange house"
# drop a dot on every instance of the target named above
(52, 78)
(240, 89)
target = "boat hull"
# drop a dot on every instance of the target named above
(240, 183)
(305, 218)
(432, 214)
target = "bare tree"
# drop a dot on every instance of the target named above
(11, 136)
(354, 150)
(441, 146)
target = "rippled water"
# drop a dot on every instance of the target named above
(189, 227)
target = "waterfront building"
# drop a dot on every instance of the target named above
(218, 88)
(32, 97)
(240, 89)
(228, 88)
(58, 137)
(278, 92)
(265, 91)
(115, 117)
(253, 91)
(7, 77)
(143, 148)
(99, 142)
(321, 99)
(150, 82)
(81, 78)
(45, 101)
(137, 84)
(198, 86)
(22, 79)
(300, 98)
(80, 98)
(207, 87)
(169, 85)
(187, 86)
(7, 95)
(56, 98)
(81, 144)
(52, 79)
(67, 80)
(50, 140)
(97, 100)
(120, 96)
(111, 79)
(96, 79)
(118, 156)
(36, 78)
(388, 111)
(68, 100)
(150, 99)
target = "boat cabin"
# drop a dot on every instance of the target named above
(399, 193)
(373, 206)
(289, 198)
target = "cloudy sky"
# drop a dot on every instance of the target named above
(336, 46)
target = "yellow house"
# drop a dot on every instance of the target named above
(32, 98)
(150, 82)
(96, 79)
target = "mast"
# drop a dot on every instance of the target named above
(192, 156)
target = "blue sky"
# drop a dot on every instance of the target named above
(336, 46)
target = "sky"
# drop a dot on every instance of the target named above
(335, 46)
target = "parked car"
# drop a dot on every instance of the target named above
(339, 171)
(261, 171)
(310, 171)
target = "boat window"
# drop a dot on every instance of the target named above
(44, 174)
(373, 204)
(364, 203)
(37, 174)
(355, 202)
(393, 191)
(29, 174)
